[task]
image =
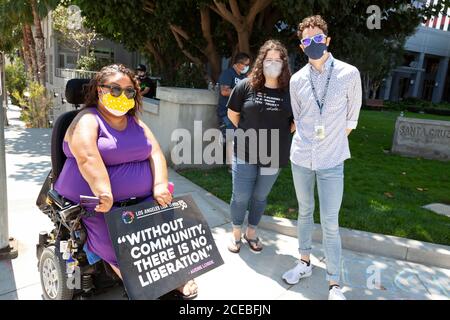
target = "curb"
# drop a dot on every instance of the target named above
(409, 250)
(426, 253)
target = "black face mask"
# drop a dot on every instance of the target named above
(315, 51)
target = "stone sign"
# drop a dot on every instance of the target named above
(422, 138)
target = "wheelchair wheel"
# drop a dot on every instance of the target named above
(53, 275)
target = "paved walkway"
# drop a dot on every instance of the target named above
(244, 276)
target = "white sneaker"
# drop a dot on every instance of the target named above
(301, 270)
(336, 294)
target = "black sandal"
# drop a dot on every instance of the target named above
(255, 242)
(235, 244)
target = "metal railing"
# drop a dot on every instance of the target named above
(74, 74)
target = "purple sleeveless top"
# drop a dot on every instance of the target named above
(126, 156)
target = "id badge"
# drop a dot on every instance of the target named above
(319, 130)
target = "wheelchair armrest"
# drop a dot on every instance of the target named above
(70, 213)
(67, 210)
(57, 199)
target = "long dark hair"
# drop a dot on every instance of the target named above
(100, 78)
(257, 78)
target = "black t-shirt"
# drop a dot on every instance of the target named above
(146, 82)
(267, 109)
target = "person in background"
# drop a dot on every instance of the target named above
(259, 104)
(326, 100)
(147, 85)
(228, 79)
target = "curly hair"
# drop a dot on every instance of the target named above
(91, 99)
(257, 78)
(311, 22)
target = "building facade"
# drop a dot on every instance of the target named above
(425, 73)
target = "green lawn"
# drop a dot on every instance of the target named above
(383, 192)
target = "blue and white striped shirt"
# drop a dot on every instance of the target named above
(340, 112)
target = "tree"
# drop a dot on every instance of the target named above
(72, 31)
(196, 27)
(22, 14)
(10, 35)
(202, 31)
(40, 42)
(16, 20)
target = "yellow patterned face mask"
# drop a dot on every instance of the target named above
(117, 106)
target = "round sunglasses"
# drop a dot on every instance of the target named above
(318, 38)
(116, 91)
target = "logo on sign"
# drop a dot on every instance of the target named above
(127, 217)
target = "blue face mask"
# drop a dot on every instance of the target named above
(315, 50)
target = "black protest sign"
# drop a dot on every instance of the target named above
(161, 248)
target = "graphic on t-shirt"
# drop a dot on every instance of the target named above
(271, 103)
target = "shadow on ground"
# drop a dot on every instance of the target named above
(32, 142)
(32, 172)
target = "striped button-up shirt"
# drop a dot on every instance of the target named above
(340, 112)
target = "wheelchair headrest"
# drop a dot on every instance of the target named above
(59, 131)
(76, 90)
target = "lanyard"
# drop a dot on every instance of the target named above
(321, 103)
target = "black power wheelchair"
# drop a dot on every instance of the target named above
(63, 265)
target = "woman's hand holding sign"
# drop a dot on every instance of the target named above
(106, 203)
(162, 194)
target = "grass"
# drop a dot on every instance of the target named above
(383, 192)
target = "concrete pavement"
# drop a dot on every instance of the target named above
(246, 275)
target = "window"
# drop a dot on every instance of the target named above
(67, 61)
(71, 62)
(410, 60)
(104, 56)
(50, 69)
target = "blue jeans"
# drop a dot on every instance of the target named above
(330, 187)
(251, 186)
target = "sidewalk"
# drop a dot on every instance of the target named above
(246, 276)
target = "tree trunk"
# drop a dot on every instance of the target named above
(179, 35)
(366, 88)
(40, 44)
(151, 49)
(165, 68)
(210, 51)
(244, 41)
(242, 24)
(375, 87)
(33, 56)
(27, 54)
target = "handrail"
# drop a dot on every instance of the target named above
(74, 73)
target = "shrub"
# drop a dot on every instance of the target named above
(89, 63)
(419, 105)
(16, 79)
(36, 105)
(190, 76)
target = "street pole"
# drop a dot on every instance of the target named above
(8, 246)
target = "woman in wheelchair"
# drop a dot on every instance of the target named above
(111, 154)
